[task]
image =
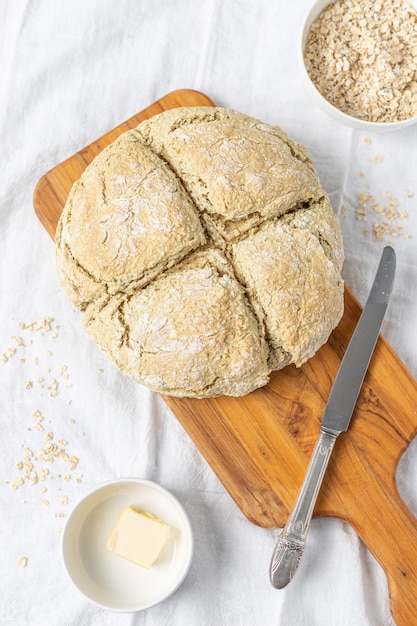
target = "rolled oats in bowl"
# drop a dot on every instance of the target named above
(361, 56)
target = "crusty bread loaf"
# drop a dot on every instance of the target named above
(203, 252)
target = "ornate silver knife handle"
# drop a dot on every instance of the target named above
(292, 540)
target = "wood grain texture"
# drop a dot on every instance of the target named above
(260, 445)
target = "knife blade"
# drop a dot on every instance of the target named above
(336, 419)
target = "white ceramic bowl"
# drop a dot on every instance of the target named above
(324, 104)
(108, 580)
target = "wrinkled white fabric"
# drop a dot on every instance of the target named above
(69, 72)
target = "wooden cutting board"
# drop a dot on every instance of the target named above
(260, 445)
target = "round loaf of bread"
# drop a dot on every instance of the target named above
(203, 252)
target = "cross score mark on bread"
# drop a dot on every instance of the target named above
(203, 252)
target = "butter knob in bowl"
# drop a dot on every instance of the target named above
(138, 537)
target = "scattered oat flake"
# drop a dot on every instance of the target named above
(53, 388)
(63, 371)
(8, 354)
(22, 561)
(43, 473)
(45, 324)
(361, 214)
(378, 158)
(32, 468)
(367, 140)
(388, 210)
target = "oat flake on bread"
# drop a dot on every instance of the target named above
(203, 252)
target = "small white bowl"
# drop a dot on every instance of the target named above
(108, 580)
(322, 102)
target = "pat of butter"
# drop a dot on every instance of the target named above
(138, 537)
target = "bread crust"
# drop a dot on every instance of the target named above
(203, 252)
(126, 219)
(238, 170)
(190, 332)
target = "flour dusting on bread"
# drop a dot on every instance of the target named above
(204, 253)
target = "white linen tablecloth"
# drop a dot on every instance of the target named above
(69, 72)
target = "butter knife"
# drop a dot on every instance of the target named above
(336, 419)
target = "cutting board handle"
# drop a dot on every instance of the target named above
(388, 516)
